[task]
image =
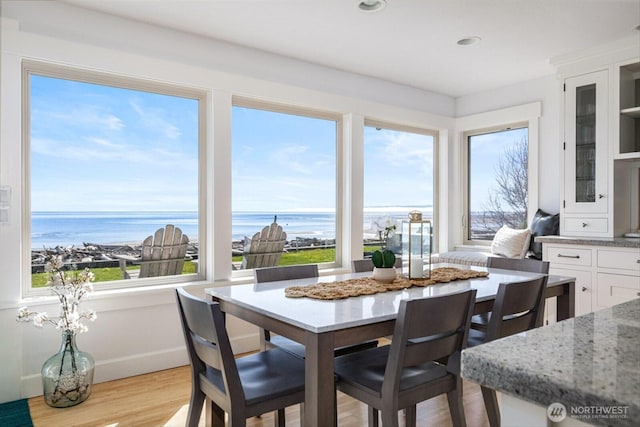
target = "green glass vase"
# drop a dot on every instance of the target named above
(67, 376)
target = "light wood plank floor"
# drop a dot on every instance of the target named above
(160, 399)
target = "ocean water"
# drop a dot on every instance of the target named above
(50, 229)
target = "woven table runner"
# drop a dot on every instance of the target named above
(368, 286)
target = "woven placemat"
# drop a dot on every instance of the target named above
(368, 286)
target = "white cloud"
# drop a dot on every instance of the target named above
(152, 119)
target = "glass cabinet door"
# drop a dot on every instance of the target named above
(586, 144)
(585, 149)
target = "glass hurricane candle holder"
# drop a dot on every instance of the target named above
(416, 246)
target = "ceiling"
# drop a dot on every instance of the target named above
(411, 42)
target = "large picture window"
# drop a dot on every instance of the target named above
(109, 162)
(497, 181)
(283, 171)
(399, 176)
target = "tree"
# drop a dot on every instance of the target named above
(507, 203)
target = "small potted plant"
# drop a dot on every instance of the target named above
(384, 270)
(384, 259)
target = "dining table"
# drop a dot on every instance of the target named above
(323, 325)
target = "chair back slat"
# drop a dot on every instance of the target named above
(519, 297)
(525, 264)
(207, 351)
(519, 307)
(418, 352)
(289, 272)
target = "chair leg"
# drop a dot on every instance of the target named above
(389, 418)
(195, 408)
(454, 397)
(410, 416)
(372, 416)
(302, 414)
(217, 414)
(279, 418)
(491, 406)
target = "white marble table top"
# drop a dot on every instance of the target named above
(319, 316)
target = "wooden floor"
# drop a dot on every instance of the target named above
(162, 398)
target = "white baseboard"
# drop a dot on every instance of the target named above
(138, 364)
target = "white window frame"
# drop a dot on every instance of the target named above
(526, 115)
(245, 102)
(45, 69)
(436, 169)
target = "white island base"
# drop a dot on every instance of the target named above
(516, 412)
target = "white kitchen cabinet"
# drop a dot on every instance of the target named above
(627, 131)
(618, 277)
(600, 144)
(605, 275)
(586, 198)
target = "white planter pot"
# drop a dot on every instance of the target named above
(384, 275)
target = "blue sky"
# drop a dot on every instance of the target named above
(100, 148)
(96, 148)
(282, 162)
(486, 151)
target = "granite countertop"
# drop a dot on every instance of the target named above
(591, 360)
(620, 242)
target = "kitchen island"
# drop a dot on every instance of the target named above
(589, 364)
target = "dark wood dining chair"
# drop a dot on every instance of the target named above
(363, 265)
(480, 321)
(244, 387)
(525, 264)
(400, 375)
(518, 307)
(291, 272)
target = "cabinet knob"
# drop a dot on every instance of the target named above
(584, 224)
(600, 196)
(584, 289)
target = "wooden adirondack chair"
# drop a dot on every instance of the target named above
(162, 254)
(265, 248)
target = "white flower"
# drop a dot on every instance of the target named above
(73, 317)
(39, 319)
(69, 287)
(81, 328)
(90, 315)
(23, 312)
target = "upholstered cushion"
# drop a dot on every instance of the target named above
(462, 257)
(542, 224)
(510, 242)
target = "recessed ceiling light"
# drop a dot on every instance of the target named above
(372, 5)
(469, 40)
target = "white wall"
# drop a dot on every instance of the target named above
(547, 91)
(137, 330)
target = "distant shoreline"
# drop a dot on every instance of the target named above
(95, 255)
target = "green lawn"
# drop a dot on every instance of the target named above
(39, 280)
(312, 256)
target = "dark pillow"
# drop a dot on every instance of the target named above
(542, 224)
